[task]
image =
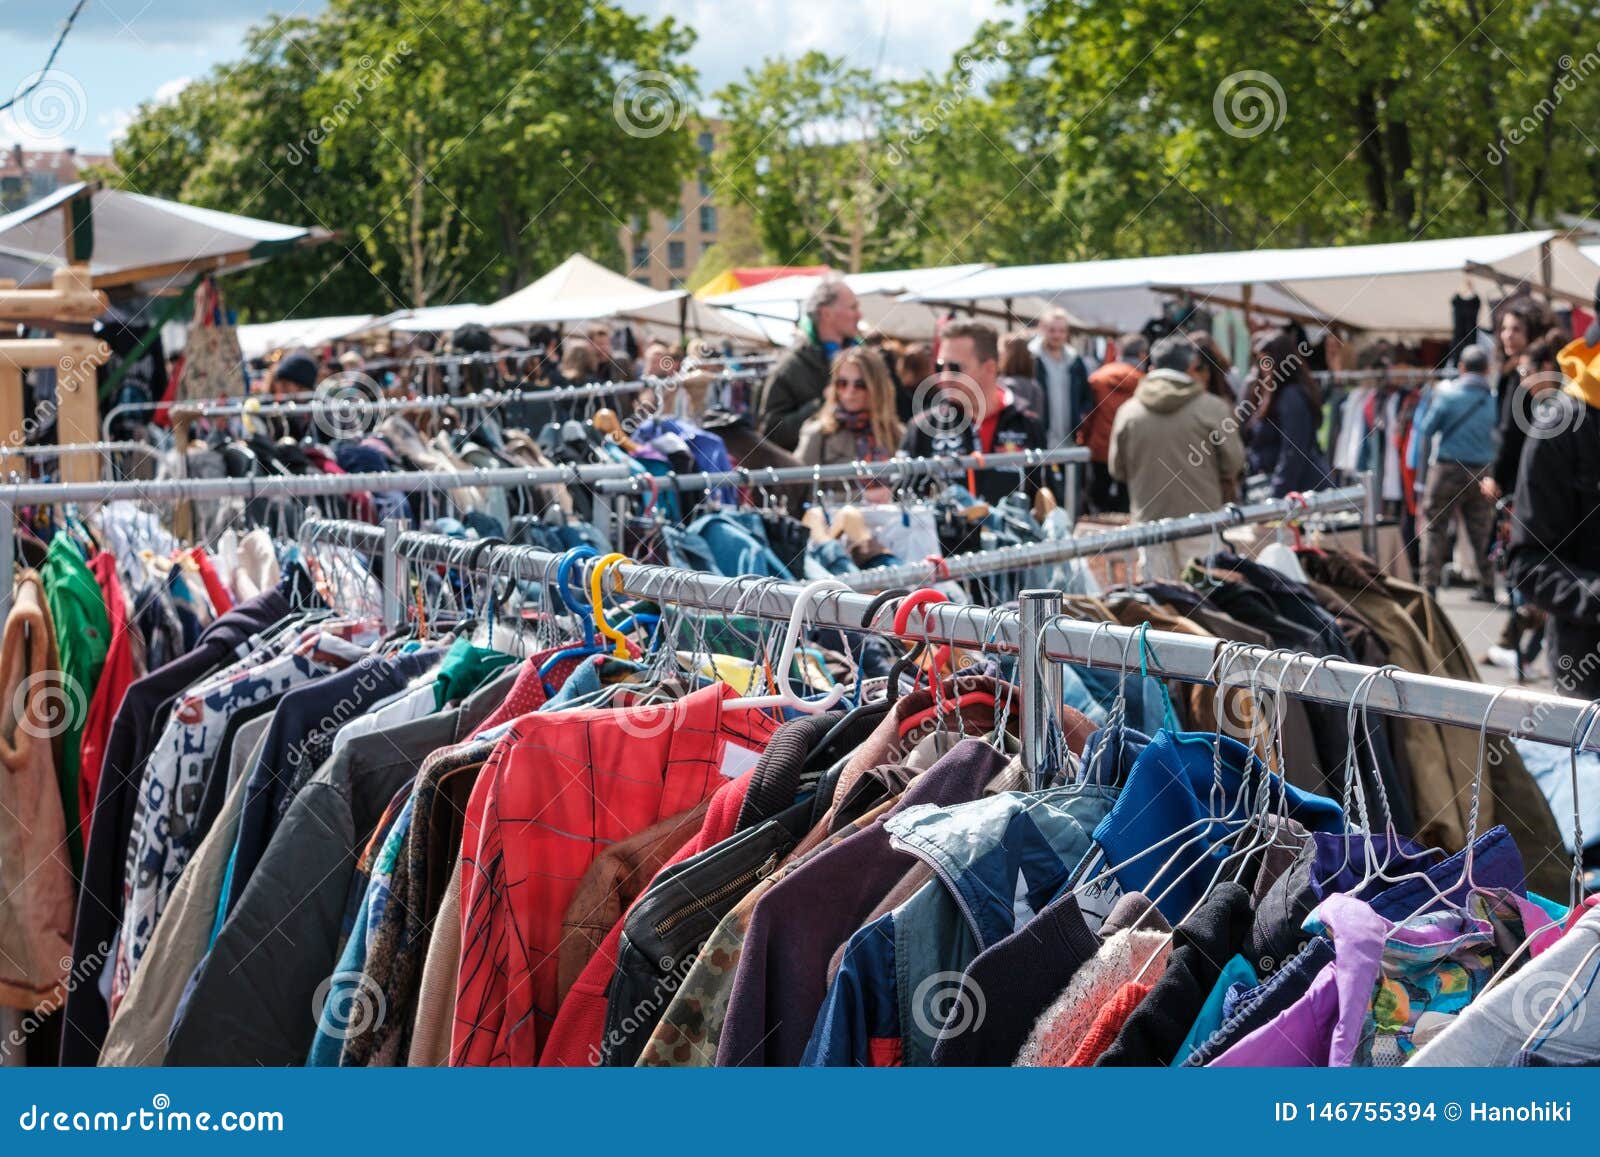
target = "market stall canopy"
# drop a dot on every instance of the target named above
(882, 296)
(744, 276)
(580, 290)
(1401, 287)
(134, 241)
(257, 341)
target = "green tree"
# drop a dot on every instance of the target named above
(812, 145)
(1256, 123)
(457, 149)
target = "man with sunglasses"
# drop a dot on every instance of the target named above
(974, 412)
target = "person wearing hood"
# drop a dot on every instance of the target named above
(794, 391)
(1555, 554)
(1282, 413)
(1111, 386)
(1175, 445)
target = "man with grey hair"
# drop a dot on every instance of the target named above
(794, 390)
(1176, 445)
(1459, 432)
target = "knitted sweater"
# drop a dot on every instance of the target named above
(1066, 1024)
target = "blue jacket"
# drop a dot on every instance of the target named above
(735, 550)
(1168, 790)
(1465, 418)
(997, 862)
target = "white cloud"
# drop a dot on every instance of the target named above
(896, 39)
(115, 123)
(168, 92)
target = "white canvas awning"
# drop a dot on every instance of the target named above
(259, 340)
(884, 304)
(137, 241)
(1404, 287)
(580, 290)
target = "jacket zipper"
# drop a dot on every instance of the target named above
(743, 880)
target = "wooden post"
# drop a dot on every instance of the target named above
(11, 412)
(72, 300)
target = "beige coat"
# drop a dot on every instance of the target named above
(1176, 446)
(36, 890)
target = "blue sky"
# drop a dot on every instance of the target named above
(123, 52)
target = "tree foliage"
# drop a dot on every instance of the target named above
(457, 147)
(1093, 128)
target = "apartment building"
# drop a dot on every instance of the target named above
(662, 251)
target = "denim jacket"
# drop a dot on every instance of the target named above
(996, 863)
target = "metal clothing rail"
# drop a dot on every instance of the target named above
(83, 448)
(1014, 558)
(335, 402)
(1397, 374)
(893, 470)
(374, 541)
(13, 495)
(1546, 717)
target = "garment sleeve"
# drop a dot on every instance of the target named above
(1547, 513)
(1230, 450)
(482, 978)
(809, 448)
(1080, 395)
(783, 409)
(1114, 456)
(1508, 453)
(1296, 433)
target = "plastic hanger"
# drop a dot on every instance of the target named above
(597, 605)
(786, 695)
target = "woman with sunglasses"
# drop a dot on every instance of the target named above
(857, 421)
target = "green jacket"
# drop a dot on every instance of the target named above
(792, 394)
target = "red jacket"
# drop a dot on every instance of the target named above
(556, 788)
(1112, 384)
(115, 679)
(575, 1038)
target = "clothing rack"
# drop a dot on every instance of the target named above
(1046, 637)
(13, 495)
(1408, 375)
(1014, 558)
(898, 471)
(258, 407)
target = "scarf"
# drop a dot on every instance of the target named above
(860, 424)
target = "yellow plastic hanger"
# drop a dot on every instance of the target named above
(596, 608)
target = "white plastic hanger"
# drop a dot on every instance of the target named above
(786, 696)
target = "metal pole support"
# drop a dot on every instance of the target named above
(1371, 506)
(1074, 484)
(1040, 681)
(8, 557)
(392, 575)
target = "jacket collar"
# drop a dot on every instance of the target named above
(1004, 857)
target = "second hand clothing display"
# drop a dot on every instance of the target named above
(312, 843)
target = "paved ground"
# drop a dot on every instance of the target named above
(1479, 625)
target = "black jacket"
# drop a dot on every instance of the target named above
(134, 732)
(1283, 445)
(1515, 409)
(792, 394)
(1555, 554)
(1201, 945)
(250, 997)
(945, 429)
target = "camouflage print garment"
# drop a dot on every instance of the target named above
(690, 1029)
